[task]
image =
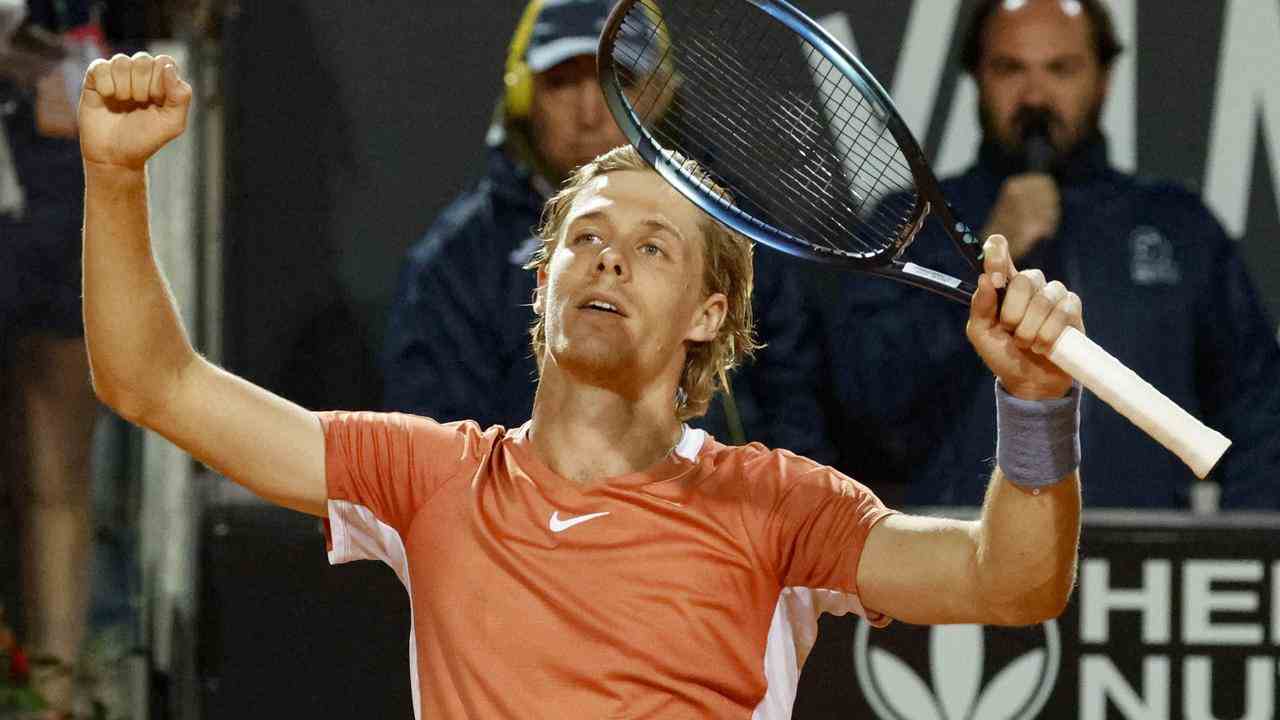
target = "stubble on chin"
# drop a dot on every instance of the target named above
(1010, 140)
(592, 359)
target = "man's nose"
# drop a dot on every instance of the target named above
(1034, 93)
(611, 261)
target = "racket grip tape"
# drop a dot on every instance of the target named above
(1196, 444)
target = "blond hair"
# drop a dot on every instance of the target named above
(727, 269)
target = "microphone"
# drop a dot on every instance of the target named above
(1035, 142)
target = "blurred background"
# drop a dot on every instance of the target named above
(326, 138)
(378, 113)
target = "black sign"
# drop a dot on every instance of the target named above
(1171, 618)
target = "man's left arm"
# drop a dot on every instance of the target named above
(1015, 565)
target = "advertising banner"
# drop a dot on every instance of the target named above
(1169, 619)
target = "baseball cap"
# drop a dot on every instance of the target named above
(565, 29)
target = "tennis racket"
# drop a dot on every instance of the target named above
(801, 149)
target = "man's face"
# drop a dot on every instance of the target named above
(571, 123)
(623, 291)
(1039, 55)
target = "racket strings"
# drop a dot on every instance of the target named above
(677, 136)
(811, 211)
(869, 150)
(875, 148)
(674, 136)
(796, 122)
(795, 114)
(861, 145)
(791, 137)
(805, 111)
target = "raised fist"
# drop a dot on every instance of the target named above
(130, 108)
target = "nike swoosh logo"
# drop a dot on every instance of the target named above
(558, 526)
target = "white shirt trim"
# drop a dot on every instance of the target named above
(792, 634)
(358, 534)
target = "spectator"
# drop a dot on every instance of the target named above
(48, 398)
(1169, 291)
(458, 341)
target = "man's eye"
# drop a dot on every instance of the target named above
(586, 238)
(1004, 68)
(651, 249)
(1063, 69)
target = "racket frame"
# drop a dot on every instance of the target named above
(885, 263)
(1196, 444)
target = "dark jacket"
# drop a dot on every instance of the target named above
(458, 341)
(1164, 290)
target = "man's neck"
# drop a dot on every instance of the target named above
(587, 433)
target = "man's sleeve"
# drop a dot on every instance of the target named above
(1238, 373)
(816, 524)
(442, 343)
(379, 470)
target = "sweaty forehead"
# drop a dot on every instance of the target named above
(637, 195)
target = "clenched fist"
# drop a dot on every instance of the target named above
(130, 108)
(1014, 335)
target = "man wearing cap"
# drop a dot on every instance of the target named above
(458, 341)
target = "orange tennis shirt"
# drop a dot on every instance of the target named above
(689, 590)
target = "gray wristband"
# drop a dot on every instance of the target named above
(1037, 441)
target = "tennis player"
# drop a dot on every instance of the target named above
(603, 559)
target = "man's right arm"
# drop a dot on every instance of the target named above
(1016, 565)
(142, 361)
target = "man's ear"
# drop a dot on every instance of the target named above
(539, 292)
(708, 319)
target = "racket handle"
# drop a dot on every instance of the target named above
(1196, 444)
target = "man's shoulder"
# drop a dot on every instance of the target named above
(467, 430)
(1157, 188)
(1167, 203)
(755, 464)
(466, 439)
(411, 423)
